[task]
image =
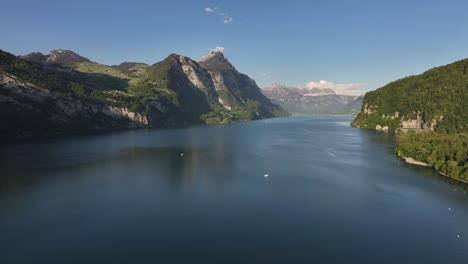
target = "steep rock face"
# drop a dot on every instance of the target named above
(28, 111)
(190, 84)
(391, 122)
(198, 78)
(432, 101)
(215, 61)
(312, 101)
(237, 91)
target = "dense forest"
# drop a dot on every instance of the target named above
(439, 99)
(447, 153)
(440, 94)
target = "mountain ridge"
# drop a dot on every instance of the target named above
(215, 61)
(312, 100)
(57, 56)
(176, 91)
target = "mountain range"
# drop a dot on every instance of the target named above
(312, 100)
(65, 93)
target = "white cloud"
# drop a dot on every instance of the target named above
(339, 88)
(218, 49)
(268, 76)
(216, 10)
(228, 20)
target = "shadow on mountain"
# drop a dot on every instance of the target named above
(98, 81)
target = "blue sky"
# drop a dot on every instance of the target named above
(360, 44)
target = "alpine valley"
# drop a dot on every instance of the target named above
(65, 93)
(313, 101)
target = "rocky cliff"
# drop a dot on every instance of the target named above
(237, 92)
(28, 110)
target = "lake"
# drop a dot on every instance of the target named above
(289, 190)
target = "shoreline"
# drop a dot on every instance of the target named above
(415, 162)
(460, 180)
(410, 160)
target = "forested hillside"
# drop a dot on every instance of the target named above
(433, 109)
(439, 97)
(447, 153)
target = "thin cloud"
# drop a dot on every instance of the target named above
(218, 49)
(352, 89)
(228, 20)
(268, 76)
(209, 10)
(216, 10)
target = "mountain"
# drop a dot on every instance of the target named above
(435, 100)
(188, 85)
(39, 101)
(237, 93)
(215, 61)
(311, 100)
(35, 57)
(65, 93)
(353, 107)
(57, 57)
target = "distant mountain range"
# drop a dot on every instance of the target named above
(65, 93)
(313, 100)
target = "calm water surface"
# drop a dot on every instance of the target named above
(333, 194)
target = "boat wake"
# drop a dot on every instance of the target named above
(330, 153)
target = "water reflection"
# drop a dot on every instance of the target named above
(388, 159)
(176, 166)
(330, 189)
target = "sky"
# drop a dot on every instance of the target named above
(344, 44)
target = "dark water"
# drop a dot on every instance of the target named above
(333, 195)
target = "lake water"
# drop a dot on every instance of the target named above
(333, 194)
